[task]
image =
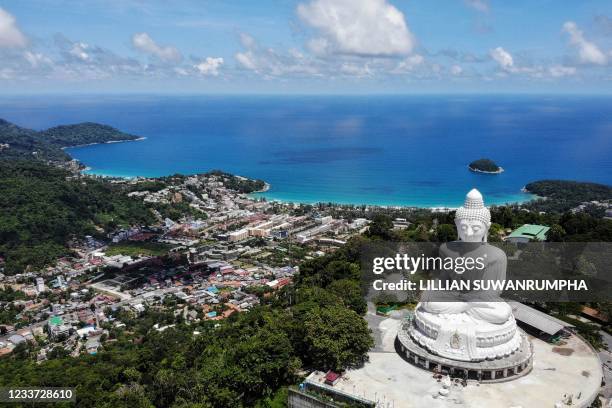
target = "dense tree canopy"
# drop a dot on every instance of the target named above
(243, 361)
(47, 144)
(486, 165)
(41, 209)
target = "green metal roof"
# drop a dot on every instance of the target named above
(56, 321)
(530, 231)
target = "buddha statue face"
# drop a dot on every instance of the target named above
(473, 219)
(472, 230)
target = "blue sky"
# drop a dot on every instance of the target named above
(306, 46)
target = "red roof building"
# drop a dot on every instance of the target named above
(332, 377)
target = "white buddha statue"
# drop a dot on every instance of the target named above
(473, 221)
(469, 326)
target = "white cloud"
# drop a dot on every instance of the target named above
(409, 63)
(247, 60)
(181, 71)
(10, 35)
(479, 5)
(508, 65)
(144, 43)
(588, 52)
(318, 46)
(357, 27)
(503, 58)
(79, 61)
(456, 70)
(269, 62)
(37, 59)
(79, 50)
(558, 71)
(356, 70)
(209, 66)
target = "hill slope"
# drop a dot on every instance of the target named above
(19, 142)
(41, 209)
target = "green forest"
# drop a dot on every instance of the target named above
(42, 207)
(563, 195)
(243, 361)
(47, 144)
(487, 165)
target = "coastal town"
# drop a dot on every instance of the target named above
(216, 248)
(232, 251)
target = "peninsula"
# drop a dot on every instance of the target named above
(19, 142)
(485, 166)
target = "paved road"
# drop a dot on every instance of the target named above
(374, 323)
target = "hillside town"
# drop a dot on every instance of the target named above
(226, 253)
(215, 249)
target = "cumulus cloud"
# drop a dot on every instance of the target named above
(479, 5)
(372, 28)
(209, 66)
(10, 35)
(588, 52)
(508, 65)
(503, 58)
(143, 42)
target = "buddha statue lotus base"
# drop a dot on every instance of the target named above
(464, 337)
(461, 346)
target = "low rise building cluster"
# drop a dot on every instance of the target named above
(224, 255)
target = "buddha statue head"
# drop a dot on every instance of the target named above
(473, 219)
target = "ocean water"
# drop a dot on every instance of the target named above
(385, 150)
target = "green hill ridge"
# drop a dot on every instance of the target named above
(20, 142)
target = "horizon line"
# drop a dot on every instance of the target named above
(298, 94)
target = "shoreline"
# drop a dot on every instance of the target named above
(434, 207)
(500, 171)
(257, 195)
(265, 188)
(107, 142)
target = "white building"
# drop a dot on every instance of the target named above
(238, 235)
(40, 285)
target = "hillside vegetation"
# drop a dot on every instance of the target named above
(47, 144)
(41, 208)
(563, 195)
(484, 165)
(575, 191)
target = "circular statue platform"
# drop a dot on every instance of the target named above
(567, 375)
(515, 365)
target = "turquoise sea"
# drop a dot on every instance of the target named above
(386, 150)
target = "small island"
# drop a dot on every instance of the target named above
(485, 166)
